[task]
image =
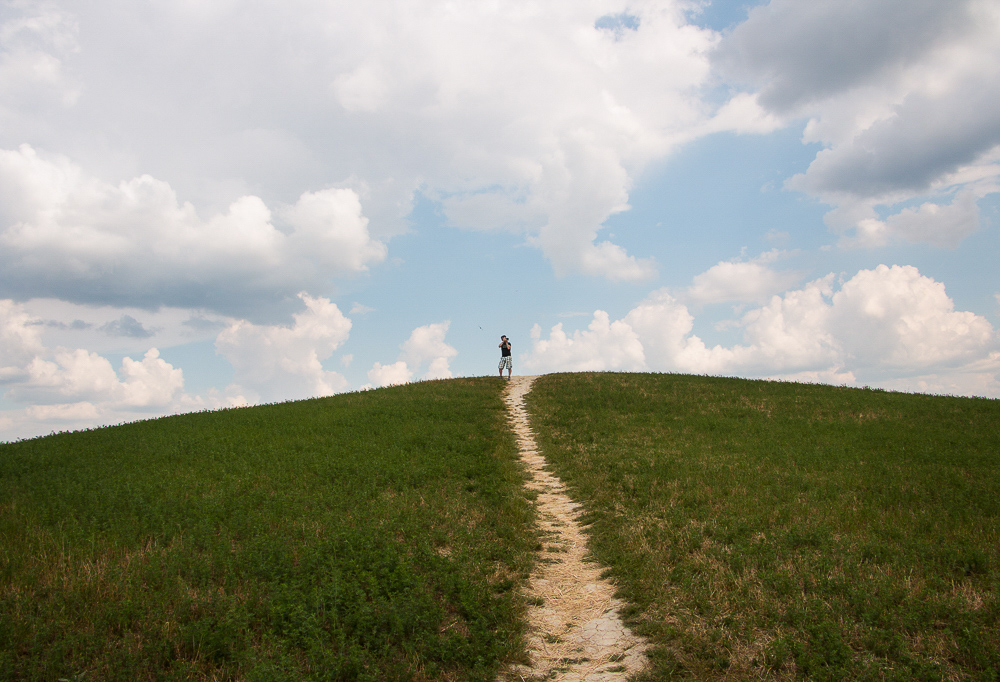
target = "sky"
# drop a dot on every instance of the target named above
(216, 203)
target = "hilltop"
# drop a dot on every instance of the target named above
(756, 529)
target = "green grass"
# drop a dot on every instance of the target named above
(758, 530)
(371, 536)
(768, 530)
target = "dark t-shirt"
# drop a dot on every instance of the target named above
(505, 350)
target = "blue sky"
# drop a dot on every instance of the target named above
(215, 203)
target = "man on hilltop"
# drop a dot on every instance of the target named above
(505, 358)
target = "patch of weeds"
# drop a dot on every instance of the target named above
(822, 654)
(779, 653)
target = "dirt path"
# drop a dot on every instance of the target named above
(575, 631)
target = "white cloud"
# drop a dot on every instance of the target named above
(390, 375)
(887, 324)
(363, 90)
(161, 200)
(72, 236)
(527, 117)
(331, 232)
(752, 281)
(150, 381)
(792, 332)
(802, 52)
(940, 225)
(903, 94)
(70, 376)
(743, 114)
(65, 414)
(532, 118)
(604, 345)
(33, 47)
(663, 326)
(426, 345)
(64, 388)
(278, 362)
(896, 317)
(20, 340)
(425, 348)
(981, 378)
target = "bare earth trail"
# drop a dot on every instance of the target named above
(575, 632)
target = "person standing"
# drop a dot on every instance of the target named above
(505, 357)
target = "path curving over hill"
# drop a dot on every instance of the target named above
(575, 633)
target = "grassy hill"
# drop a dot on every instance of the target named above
(778, 530)
(369, 536)
(759, 530)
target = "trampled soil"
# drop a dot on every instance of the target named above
(576, 633)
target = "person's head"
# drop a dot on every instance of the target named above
(503, 338)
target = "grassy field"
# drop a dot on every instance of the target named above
(759, 530)
(768, 530)
(371, 536)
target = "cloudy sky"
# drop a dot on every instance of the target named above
(207, 203)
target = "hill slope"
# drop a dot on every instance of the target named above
(377, 535)
(776, 530)
(759, 530)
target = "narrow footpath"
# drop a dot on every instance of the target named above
(576, 633)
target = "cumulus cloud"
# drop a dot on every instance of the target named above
(71, 236)
(71, 388)
(282, 362)
(425, 349)
(942, 225)
(889, 323)
(532, 118)
(792, 333)
(800, 52)
(78, 376)
(20, 340)
(904, 96)
(927, 137)
(426, 346)
(663, 325)
(604, 345)
(33, 46)
(896, 317)
(751, 281)
(390, 375)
